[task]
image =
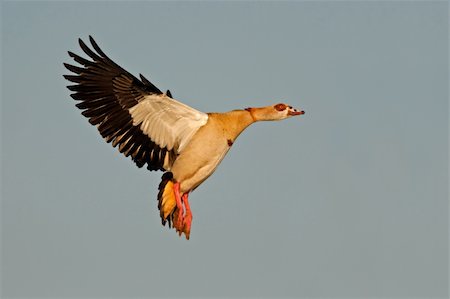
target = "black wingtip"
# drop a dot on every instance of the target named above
(82, 43)
(169, 94)
(74, 69)
(68, 66)
(69, 77)
(91, 40)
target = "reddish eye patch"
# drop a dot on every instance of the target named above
(280, 107)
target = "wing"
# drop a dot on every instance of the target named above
(132, 114)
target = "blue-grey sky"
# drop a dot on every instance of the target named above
(350, 200)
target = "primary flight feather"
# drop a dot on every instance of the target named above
(158, 131)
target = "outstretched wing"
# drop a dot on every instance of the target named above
(132, 114)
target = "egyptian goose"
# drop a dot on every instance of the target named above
(154, 129)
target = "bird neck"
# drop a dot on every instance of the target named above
(262, 113)
(234, 122)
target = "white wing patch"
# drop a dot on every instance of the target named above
(167, 122)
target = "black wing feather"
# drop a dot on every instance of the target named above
(105, 92)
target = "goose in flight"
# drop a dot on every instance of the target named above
(158, 131)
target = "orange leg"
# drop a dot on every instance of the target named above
(187, 217)
(182, 217)
(179, 219)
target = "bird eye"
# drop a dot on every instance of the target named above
(280, 107)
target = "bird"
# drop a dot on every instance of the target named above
(158, 131)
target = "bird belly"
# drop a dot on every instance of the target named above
(192, 167)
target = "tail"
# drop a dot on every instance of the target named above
(166, 199)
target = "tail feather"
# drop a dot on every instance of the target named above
(166, 199)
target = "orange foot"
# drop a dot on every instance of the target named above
(178, 214)
(188, 217)
(182, 216)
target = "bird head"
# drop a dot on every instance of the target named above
(275, 112)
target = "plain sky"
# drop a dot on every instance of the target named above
(349, 200)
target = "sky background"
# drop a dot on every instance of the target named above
(349, 200)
